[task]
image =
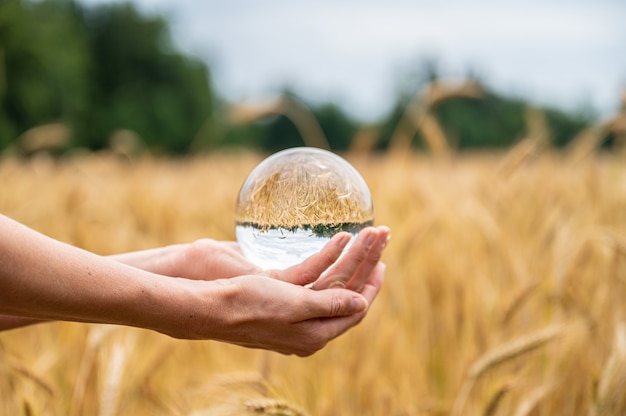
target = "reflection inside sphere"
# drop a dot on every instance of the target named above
(294, 201)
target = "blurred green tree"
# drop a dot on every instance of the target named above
(139, 81)
(338, 127)
(492, 122)
(44, 65)
(99, 70)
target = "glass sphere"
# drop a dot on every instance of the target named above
(294, 201)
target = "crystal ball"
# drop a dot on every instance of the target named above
(294, 201)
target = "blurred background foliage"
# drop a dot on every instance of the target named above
(73, 77)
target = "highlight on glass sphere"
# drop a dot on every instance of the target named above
(294, 201)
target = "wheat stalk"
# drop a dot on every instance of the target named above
(111, 385)
(418, 116)
(96, 336)
(513, 349)
(519, 301)
(517, 156)
(587, 141)
(301, 116)
(611, 399)
(246, 393)
(533, 398)
(492, 404)
(274, 407)
(501, 354)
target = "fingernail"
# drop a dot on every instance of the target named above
(386, 241)
(343, 240)
(371, 238)
(358, 304)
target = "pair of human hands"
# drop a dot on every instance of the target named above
(293, 311)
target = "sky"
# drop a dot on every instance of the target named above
(567, 54)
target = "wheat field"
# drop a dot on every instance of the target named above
(504, 295)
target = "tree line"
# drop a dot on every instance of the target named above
(103, 69)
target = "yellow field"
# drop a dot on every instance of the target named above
(505, 293)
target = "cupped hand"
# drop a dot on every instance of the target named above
(225, 297)
(208, 259)
(261, 312)
(330, 269)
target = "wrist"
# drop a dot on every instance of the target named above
(190, 309)
(162, 260)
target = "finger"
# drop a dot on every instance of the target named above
(330, 327)
(310, 270)
(374, 283)
(362, 274)
(341, 302)
(341, 272)
(319, 331)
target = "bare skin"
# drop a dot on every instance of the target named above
(202, 290)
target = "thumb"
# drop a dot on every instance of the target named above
(358, 304)
(345, 302)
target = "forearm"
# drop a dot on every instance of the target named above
(203, 259)
(12, 322)
(155, 260)
(42, 278)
